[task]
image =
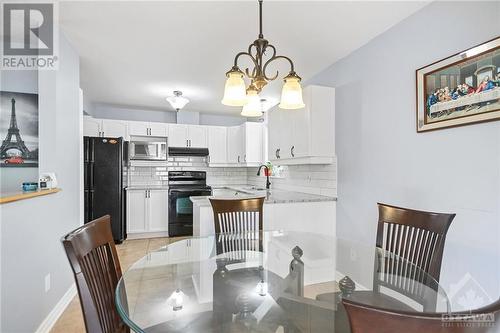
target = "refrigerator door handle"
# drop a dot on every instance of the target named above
(91, 149)
(91, 205)
(91, 175)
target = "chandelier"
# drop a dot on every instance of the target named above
(236, 93)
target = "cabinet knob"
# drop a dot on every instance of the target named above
(279, 150)
(238, 158)
(291, 151)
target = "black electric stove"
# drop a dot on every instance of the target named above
(181, 186)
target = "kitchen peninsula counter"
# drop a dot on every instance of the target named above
(286, 210)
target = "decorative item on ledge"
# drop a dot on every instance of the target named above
(235, 91)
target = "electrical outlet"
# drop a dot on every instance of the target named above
(47, 283)
(354, 255)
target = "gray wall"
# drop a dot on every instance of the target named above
(107, 111)
(31, 229)
(381, 158)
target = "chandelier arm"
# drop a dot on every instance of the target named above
(247, 54)
(272, 60)
(251, 76)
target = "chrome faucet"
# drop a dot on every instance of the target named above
(268, 183)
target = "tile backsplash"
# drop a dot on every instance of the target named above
(143, 173)
(314, 179)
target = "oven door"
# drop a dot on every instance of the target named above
(180, 210)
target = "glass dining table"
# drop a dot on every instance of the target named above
(271, 281)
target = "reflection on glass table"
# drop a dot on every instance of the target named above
(271, 281)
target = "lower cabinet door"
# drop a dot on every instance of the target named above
(136, 211)
(158, 210)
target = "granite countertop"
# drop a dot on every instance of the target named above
(249, 191)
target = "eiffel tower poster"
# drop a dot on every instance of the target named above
(18, 129)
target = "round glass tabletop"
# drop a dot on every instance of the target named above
(272, 281)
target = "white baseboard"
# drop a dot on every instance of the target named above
(142, 235)
(56, 312)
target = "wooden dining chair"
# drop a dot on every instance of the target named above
(368, 319)
(238, 224)
(92, 255)
(413, 243)
(416, 236)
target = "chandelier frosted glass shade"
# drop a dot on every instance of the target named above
(253, 107)
(291, 94)
(235, 89)
(177, 101)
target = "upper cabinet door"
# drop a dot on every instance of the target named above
(217, 144)
(235, 144)
(197, 136)
(279, 133)
(114, 129)
(138, 128)
(158, 129)
(254, 143)
(91, 126)
(177, 135)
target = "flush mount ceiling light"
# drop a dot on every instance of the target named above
(177, 101)
(235, 91)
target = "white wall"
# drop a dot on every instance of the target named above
(381, 158)
(31, 229)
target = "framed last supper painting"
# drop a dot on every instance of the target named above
(461, 89)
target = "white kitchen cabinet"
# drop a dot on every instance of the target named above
(142, 128)
(191, 136)
(114, 128)
(91, 126)
(245, 144)
(235, 145)
(138, 128)
(304, 136)
(158, 129)
(197, 136)
(253, 143)
(157, 202)
(136, 211)
(105, 128)
(147, 213)
(217, 145)
(178, 135)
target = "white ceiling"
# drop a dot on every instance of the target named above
(136, 53)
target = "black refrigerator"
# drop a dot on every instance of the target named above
(103, 177)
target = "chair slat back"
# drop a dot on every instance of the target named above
(413, 235)
(416, 241)
(238, 224)
(92, 255)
